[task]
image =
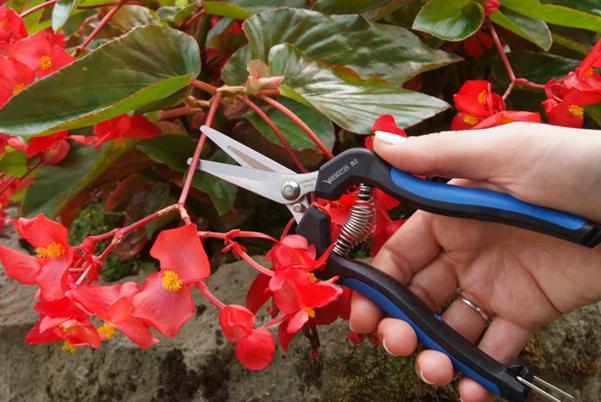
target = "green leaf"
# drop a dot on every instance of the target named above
(451, 20)
(594, 111)
(255, 6)
(389, 52)
(590, 6)
(225, 9)
(176, 15)
(130, 16)
(350, 102)
(347, 7)
(555, 14)
(536, 67)
(296, 137)
(234, 71)
(534, 30)
(56, 185)
(61, 12)
(174, 151)
(13, 163)
(144, 66)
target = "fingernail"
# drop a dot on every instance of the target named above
(351, 327)
(390, 138)
(424, 379)
(386, 347)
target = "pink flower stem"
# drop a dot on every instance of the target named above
(275, 130)
(205, 86)
(260, 268)
(188, 23)
(177, 112)
(210, 296)
(287, 228)
(196, 157)
(36, 8)
(132, 3)
(296, 120)
(232, 234)
(105, 20)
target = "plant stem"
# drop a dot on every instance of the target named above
(210, 296)
(105, 20)
(38, 7)
(290, 114)
(177, 112)
(193, 18)
(275, 130)
(196, 157)
(501, 51)
(205, 86)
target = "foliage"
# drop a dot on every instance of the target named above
(100, 104)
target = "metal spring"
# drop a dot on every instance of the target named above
(360, 223)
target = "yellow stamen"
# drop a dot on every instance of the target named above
(107, 331)
(482, 97)
(310, 311)
(588, 73)
(312, 276)
(69, 347)
(576, 110)
(171, 281)
(18, 88)
(53, 250)
(45, 62)
(4, 25)
(471, 120)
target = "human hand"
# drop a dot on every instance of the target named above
(524, 278)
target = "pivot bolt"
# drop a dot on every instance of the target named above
(291, 190)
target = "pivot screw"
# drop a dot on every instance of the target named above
(291, 190)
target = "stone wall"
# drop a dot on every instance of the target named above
(199, 365)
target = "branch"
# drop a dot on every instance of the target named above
(36, 8)
(101, 25)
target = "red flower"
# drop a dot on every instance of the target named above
(477, 44)
(490, 6)
(112, 304)
(43, 52)
(12, 27)
(11, 141)
(166, 298)
(73, 332)
(383, 123)
(21, 267)
(563, 113)
(119, 129)
(254, 347)
(45, 143)
(508, 116)
(14, 77)
(52, 249)
(476, 98)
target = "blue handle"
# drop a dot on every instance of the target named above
(465, 196)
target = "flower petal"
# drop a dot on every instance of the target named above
(255, 352)
(237, 322)
(21, 267)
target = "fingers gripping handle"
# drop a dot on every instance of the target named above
(399, 302)
(360, 165)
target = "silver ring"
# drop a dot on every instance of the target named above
(481, 312)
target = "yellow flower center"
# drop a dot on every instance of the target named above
(18, 88)
(45, 62)
(576, 110)
(107, 331)
(482, 98)
(506, 120)
(171, 281)
(588, 73)
(4, 24)
(69, 347)
(53, 250)
(471, 120)
(312, 277)
(310, 311)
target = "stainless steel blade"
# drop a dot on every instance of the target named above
(242, 154)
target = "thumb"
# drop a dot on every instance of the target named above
(474, 154)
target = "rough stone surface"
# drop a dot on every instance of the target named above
(199, 365)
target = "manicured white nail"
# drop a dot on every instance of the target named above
(386, 347)
(424, 379)
(390, 138)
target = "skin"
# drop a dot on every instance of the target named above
(524, 278)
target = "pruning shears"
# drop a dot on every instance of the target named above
(362, 168)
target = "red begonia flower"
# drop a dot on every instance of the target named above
(11, 141)
(119, 129)
(477, 99)
(74, 332)
(44, 143)
(237, 322)
(490, 6)
(14, 77)
(256, 351)
(464, 121)
(563, 113)
(258, 293)
(12, 27)
(383, 123)
(509, 116)
(21, 267)
(292, 251)
(42, 53)
(166, 299)
(477, 44)
(50, 240)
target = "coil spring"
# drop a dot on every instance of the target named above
(360, 223)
